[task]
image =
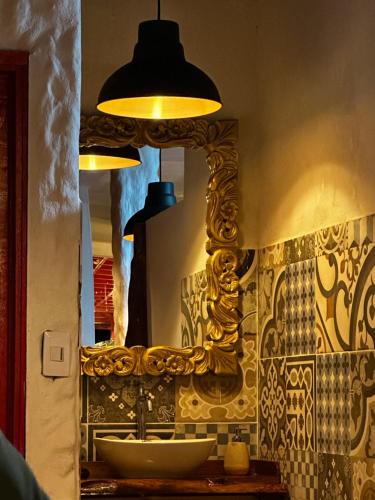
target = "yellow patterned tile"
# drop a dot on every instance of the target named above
(214, 398)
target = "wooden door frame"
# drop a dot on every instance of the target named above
(15, 63)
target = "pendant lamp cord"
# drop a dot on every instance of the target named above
(158, 10)
(159, 164)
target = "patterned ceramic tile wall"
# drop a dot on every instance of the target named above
(312, 300)
(316, 305)
(222, 432)
(194, 317)
(301, 474)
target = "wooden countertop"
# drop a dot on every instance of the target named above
(263, 482)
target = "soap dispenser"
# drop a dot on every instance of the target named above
(236, 458)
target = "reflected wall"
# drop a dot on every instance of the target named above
(176, 241)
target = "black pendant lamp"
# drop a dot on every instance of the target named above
(160, 196)
(103, 158)
(159, 83)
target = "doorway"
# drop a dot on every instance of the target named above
(13, 240)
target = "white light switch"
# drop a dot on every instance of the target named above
(56, 354)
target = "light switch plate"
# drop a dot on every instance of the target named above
(56, 354)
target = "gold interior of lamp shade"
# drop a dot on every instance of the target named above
(159, 107)
(129, 237)
(99, 162)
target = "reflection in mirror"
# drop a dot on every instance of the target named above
(176, 243)
(104, 306)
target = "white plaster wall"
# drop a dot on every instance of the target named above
(316, 79)
(50, 31)
(176, 248)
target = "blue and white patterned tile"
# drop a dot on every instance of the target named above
(299, 249)
(248, 297)
(300, 308)
(300, 402)
(272, 440)
(194, 315)
(333, 403)
(362, 421)
(334, 477)
(331, 239)
(301, 474)
(271, 312)
(222, 432)
(114, 399)
(344, 296)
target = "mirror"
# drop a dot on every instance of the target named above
(218, 140)
(124, 316)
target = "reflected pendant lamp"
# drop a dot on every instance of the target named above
(103, 158)
(159, 83)
(160, 196)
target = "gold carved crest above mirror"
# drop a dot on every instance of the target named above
(218, 140)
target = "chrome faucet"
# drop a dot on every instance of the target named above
(143, 401)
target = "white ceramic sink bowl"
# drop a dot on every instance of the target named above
(154, 459)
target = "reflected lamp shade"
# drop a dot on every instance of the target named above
(103, 158)
(160, 196)
(159, 83)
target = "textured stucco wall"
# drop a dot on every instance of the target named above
(50, 31)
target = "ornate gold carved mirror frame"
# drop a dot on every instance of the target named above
(218, 139)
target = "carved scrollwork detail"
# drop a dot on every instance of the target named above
(108, 131)
(222, 299)
(218, 139)
(139, 360)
